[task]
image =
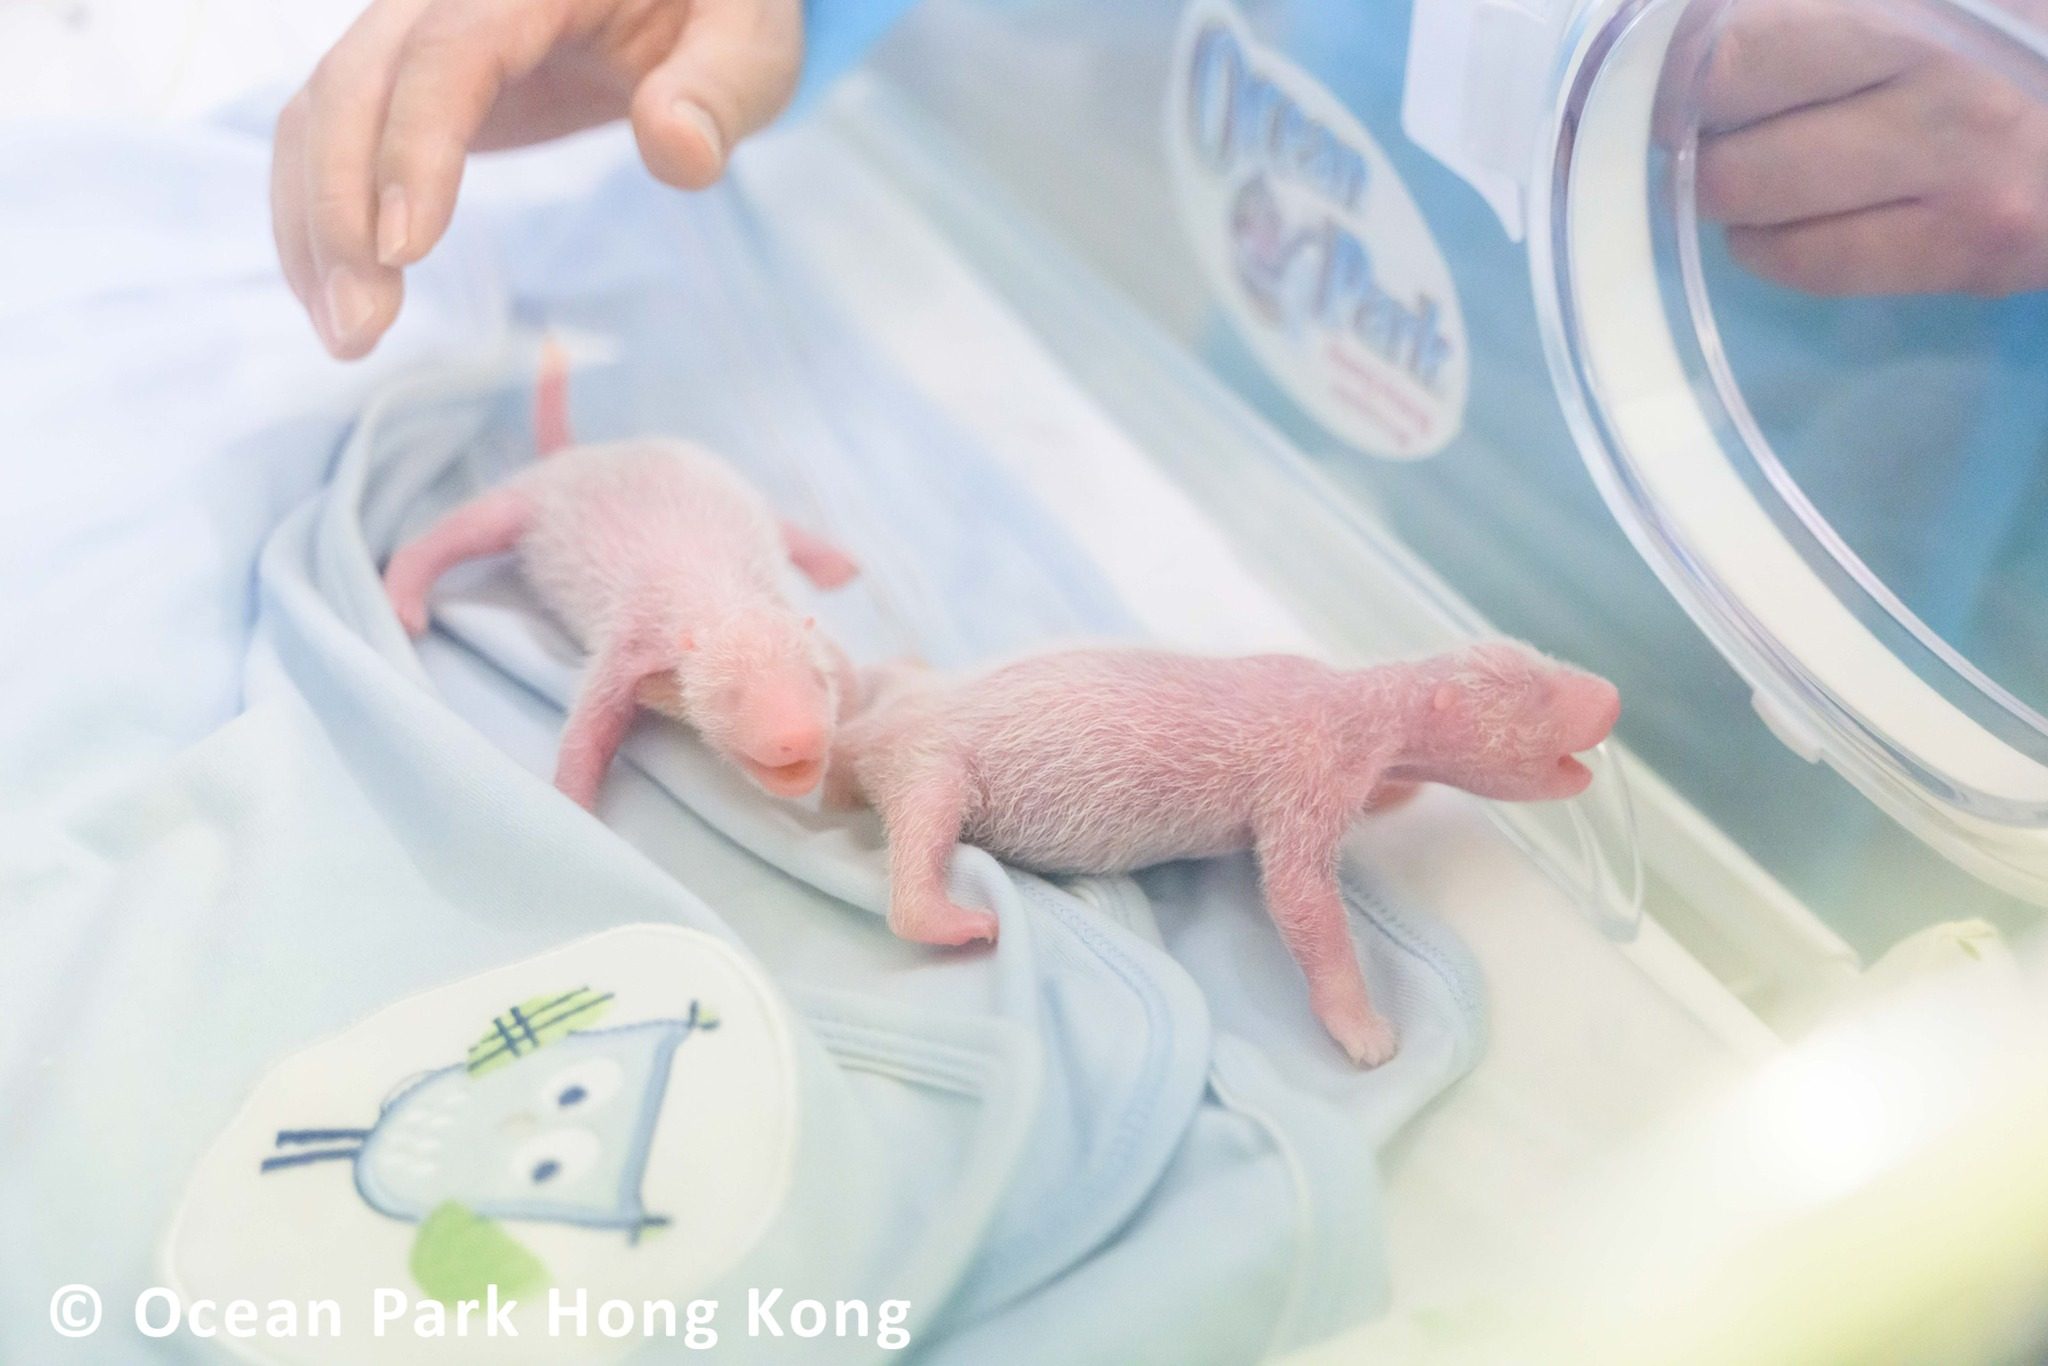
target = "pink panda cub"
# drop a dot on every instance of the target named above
(666, 567)
(1108, 760)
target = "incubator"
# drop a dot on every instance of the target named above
(1452, 253)
(1453, 257)
(1352, 329)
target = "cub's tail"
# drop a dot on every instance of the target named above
(551, 400)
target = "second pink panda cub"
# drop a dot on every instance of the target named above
(666, 567)
(1109, 760)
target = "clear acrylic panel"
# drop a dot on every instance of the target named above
(1074, 110)
(1790, 260)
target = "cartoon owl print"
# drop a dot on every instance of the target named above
(548, 1119)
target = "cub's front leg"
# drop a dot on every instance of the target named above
(1298, 866)
(607, 700)
(922, 810)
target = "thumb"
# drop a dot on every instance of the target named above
(734, 66)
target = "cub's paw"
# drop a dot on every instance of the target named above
(943, 924)
(1366, 1038)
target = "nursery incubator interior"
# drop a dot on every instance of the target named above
(1796, 529)
(1363, 331)
(1425, 311)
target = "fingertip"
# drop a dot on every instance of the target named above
(698, 121)
(355, 308)
(418, 179)
(394, 227)
(680, 139)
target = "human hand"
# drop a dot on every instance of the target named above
(1847, 155)
(369, 154)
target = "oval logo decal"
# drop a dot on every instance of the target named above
(1319, 254)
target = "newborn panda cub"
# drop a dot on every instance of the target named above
(1108, 760)
(665, 566)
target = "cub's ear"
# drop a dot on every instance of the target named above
(1446, 698)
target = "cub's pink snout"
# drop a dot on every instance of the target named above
(1592, 708)
(1588, 708)
(801, 740)
(785, 753)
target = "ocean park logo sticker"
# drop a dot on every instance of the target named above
(1314, 245)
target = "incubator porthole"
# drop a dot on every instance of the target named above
(1783, 454)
